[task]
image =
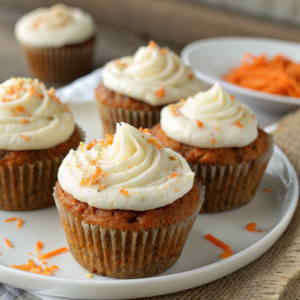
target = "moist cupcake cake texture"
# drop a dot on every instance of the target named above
(58, 42)
(135, 88)
(127, 204)
(220, 138)
(36, 132)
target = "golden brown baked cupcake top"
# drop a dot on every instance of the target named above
(116, 100)
(221, 156)
(129, 219)
(29, 156)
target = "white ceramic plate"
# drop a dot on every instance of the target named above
(210, 58)
(199, 263)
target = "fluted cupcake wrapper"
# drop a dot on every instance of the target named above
(126, 254)
(60, 64)
(29, 186)
(137, 118)
(231, 186)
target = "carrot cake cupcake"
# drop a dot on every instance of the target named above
(135, 88)
(36, 133)
(220, 139)
(58, 42)
(127, 204)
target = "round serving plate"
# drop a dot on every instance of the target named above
(213, 57)
(199, 263)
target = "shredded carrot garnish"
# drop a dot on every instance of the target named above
(213, 141)
(146, 130)
(238, 124)
(191, 76)
(251, 227)
(44, 262)
(109, 139)
(232, 97)
(152, 44)
(91, 145)
(199, 123)
(124, 192)
(39, 247)
(174, 174)
(226, 254)
(217, 242)
(267, 190)
(217, 128)
(20, 108)
(29, 253)
(52, 253)
(278, 75)
(160, 93)
(259, 230)
(25, 137)
(163, 51)
(176, 190)
(252, 116)
(10, 219)
(24, 121)
(31, 90)
(33, 268)
(8, 243)
(20, 223)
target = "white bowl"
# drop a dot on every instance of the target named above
(211, 58)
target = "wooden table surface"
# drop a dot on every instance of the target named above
(112, 42)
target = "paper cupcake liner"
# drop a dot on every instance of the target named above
(60, 64)
(137, 118)
(126, 254)
(29, 186)
(231, 186)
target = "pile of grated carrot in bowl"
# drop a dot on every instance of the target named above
(278, 75)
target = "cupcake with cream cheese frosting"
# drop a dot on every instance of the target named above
(36, 133)
(127, 204)
(135, 88)
(220, 138)
(58, 42)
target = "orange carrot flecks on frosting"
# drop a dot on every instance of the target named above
(25, 137)
(174, 174)
(24, 121)
(124, 192)
(152, 44)
(146, 130)
(20, 108)
(199, 124)
(160, 93)
(267, 190)
(238, 124)
(217, 242)
(191, 76)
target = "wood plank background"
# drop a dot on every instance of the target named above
(124, 25)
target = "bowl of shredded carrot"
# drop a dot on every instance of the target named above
(263, 73)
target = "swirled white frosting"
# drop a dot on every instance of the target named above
(56, 26)
(131, 171)
(211, 119)
(31, 117)
(154, 75)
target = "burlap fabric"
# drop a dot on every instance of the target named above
(276, 274)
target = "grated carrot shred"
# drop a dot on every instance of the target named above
(226, 254)
(278, 75)
(20, 223)
(174, 174)
(160, 93)
(251, 227)
(8, 243)
(10, 219)
(52, 253)
(124, 192)
(39, 247)
(267, 190)
(199, 124)
(217, 242)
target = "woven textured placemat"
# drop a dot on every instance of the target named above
(276, 274)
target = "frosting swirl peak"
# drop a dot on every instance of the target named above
(154, 75)
(211, 119)
(129, 171)
(31, 117)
